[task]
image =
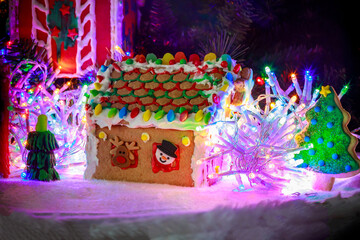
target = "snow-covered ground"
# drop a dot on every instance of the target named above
(73, 208)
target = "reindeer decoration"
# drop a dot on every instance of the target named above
(123, 156)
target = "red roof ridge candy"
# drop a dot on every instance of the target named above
(116, 67)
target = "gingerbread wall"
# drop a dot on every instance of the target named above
(144, 171)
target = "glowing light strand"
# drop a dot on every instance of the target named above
(32, 94)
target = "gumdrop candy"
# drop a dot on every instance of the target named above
(211, 57)
(237, 68)
(171, 115)
(184, 115)
(194, 58)
(116, 67)
(112, 112)
(129, 61)
(224, 64)
(179, 56)
(103, 68)
(100, 78)
(159, 115)
(215, 98)
(123, 112)
(147, 115)
(151, 57)
(166, 58)
(140, 58)
(98, 109)
(229, 77)
(226, 57)
(199, 116)
(134, 112)
(97, 86)
(207, 118)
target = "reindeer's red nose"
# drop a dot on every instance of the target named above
(120, 159)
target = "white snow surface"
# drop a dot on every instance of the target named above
(73, 208)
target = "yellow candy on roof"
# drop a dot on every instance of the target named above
(97, 85)
(210, 57)
(98, 109)
(166, 58)
(147, 115)
(224, 87)
(199, 116)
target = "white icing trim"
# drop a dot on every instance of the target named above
(199, 173)
(91, 153)
(103, 121)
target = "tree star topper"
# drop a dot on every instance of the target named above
(325, 90)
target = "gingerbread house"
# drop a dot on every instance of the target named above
(146, 119)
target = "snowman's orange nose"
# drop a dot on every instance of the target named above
(163, 158)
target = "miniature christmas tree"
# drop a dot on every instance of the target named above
(333, 153)
(41, 159)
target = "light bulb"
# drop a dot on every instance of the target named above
(267, 70)
(251, 175)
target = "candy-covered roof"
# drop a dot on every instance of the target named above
(155, 88)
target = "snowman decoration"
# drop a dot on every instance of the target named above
(165, 158)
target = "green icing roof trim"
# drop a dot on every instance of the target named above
(187, 79)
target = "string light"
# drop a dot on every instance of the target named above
(252, 175)
(272, 105)
(38, 95)
(259, 144)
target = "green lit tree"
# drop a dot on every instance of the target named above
(41, 159)
(333, 152)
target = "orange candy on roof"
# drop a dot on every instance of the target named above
(140, 58)
(179, 56)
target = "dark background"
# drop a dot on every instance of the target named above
(289, 36)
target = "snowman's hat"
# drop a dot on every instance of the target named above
(168, 148)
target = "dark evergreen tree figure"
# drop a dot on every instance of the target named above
(41, 158)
